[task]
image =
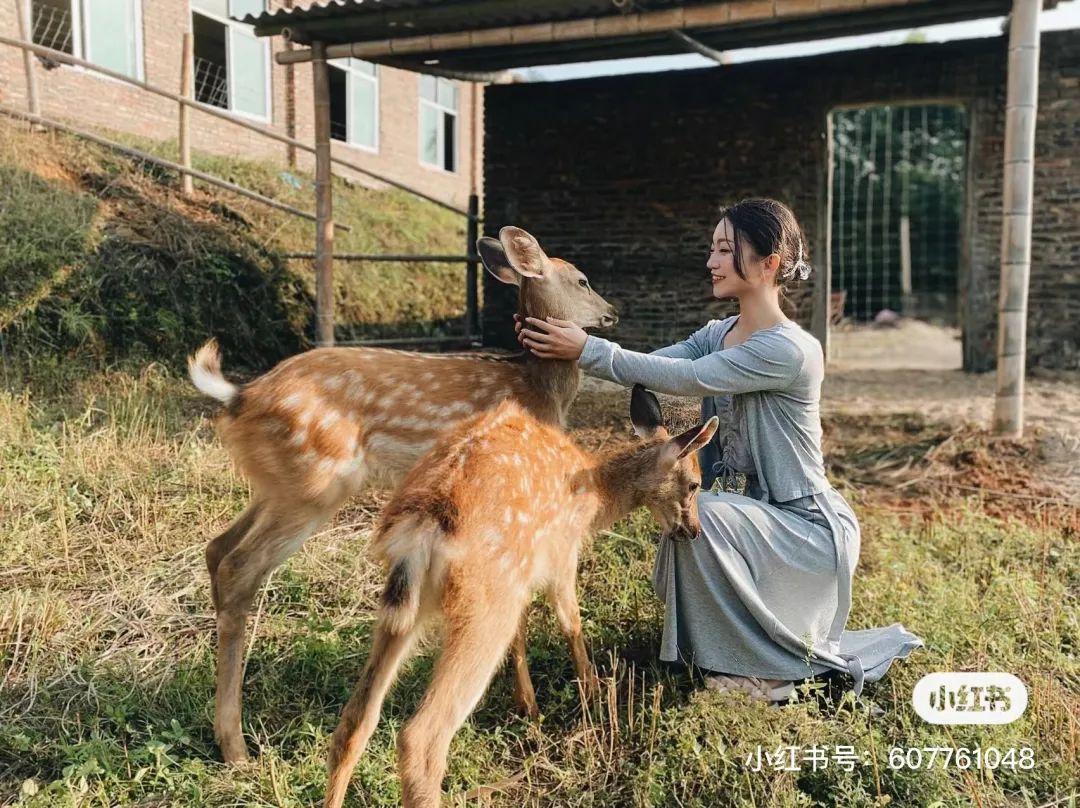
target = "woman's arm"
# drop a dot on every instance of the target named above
(766, 361)
(693, 347)
(562, 339)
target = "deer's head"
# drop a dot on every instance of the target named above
(550, 287)
(669, 476)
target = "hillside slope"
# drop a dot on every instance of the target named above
(101, 257)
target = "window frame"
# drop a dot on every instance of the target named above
(352, 74)
(137, 27)
(443, 110)
(246, 30)
(80, 40)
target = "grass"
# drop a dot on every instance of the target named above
(111, 483)
(102, 260)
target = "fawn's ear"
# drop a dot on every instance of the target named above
(689, 441)
(523, 251)
(645, 412)
(493, 255)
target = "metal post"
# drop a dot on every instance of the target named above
(23, 11)
(187, 90)
(821, 314)
(1021, 106)
(324, 213)
(472, 233)
(907, 304)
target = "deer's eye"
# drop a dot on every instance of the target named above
(584, 284)
(694, 487)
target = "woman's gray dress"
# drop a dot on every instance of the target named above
(765, 589)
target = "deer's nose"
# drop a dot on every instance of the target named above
(609, 319)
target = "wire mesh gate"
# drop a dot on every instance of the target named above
(897, 209)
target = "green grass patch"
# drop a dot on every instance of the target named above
(111, 486)
(103, 262)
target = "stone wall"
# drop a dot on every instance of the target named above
(623, 175)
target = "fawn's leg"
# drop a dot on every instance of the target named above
(564, 600)
(223, 544)
(471, 654)
(361, 714)
(270, 541)
(524, 695)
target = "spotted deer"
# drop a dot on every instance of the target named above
(317, 427)
(499, 510)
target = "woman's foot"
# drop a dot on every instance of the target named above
(770, 690)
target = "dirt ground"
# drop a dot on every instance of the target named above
(902, 390)
(915, 367)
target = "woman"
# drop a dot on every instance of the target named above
(759, 600)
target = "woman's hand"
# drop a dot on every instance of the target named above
(553, 338)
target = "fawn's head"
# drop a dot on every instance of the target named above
(669, 477)
(550, 287)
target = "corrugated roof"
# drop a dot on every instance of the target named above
(350, 21)
(384, 18)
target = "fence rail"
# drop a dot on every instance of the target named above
(217, 112)
(203, 81)
(141, 155)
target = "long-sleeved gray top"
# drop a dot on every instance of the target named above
(777, 373)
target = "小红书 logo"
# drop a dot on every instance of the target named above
(969, 698)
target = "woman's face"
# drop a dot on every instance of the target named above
(725, 280)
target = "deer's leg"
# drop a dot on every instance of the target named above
(271, 540)
(223, 544)
(564, 600)
(472, 652)
(361, 714)
(524, 695)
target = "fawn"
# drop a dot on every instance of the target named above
(498, 509)
(313, 430)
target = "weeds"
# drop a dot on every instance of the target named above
(111, 486)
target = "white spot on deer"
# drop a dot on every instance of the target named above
(331, 417)
(299, 438)
(523, 518)
(332, 383)
(348, 468)
(459, 408)
(508, 516)
(293, 401)
(310, 456)
(326, 465)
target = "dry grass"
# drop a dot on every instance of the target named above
(110, 485)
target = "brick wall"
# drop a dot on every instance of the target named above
(83, 97)
(623, 175)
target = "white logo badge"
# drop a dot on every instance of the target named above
(969, 698)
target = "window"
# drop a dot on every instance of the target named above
(438, 123)
(232, 66)
(105, 32)
(354, 103)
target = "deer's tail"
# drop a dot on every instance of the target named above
(204, 368)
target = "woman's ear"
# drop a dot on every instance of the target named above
(772, 262)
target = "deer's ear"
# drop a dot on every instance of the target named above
(645, 412)
(523, 251)
(689, 441)
(493, 255)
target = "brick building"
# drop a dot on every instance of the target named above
(414, 129)
(629, 191)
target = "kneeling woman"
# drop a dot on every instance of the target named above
(760, 599)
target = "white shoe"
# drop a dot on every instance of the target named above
(757, 689)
